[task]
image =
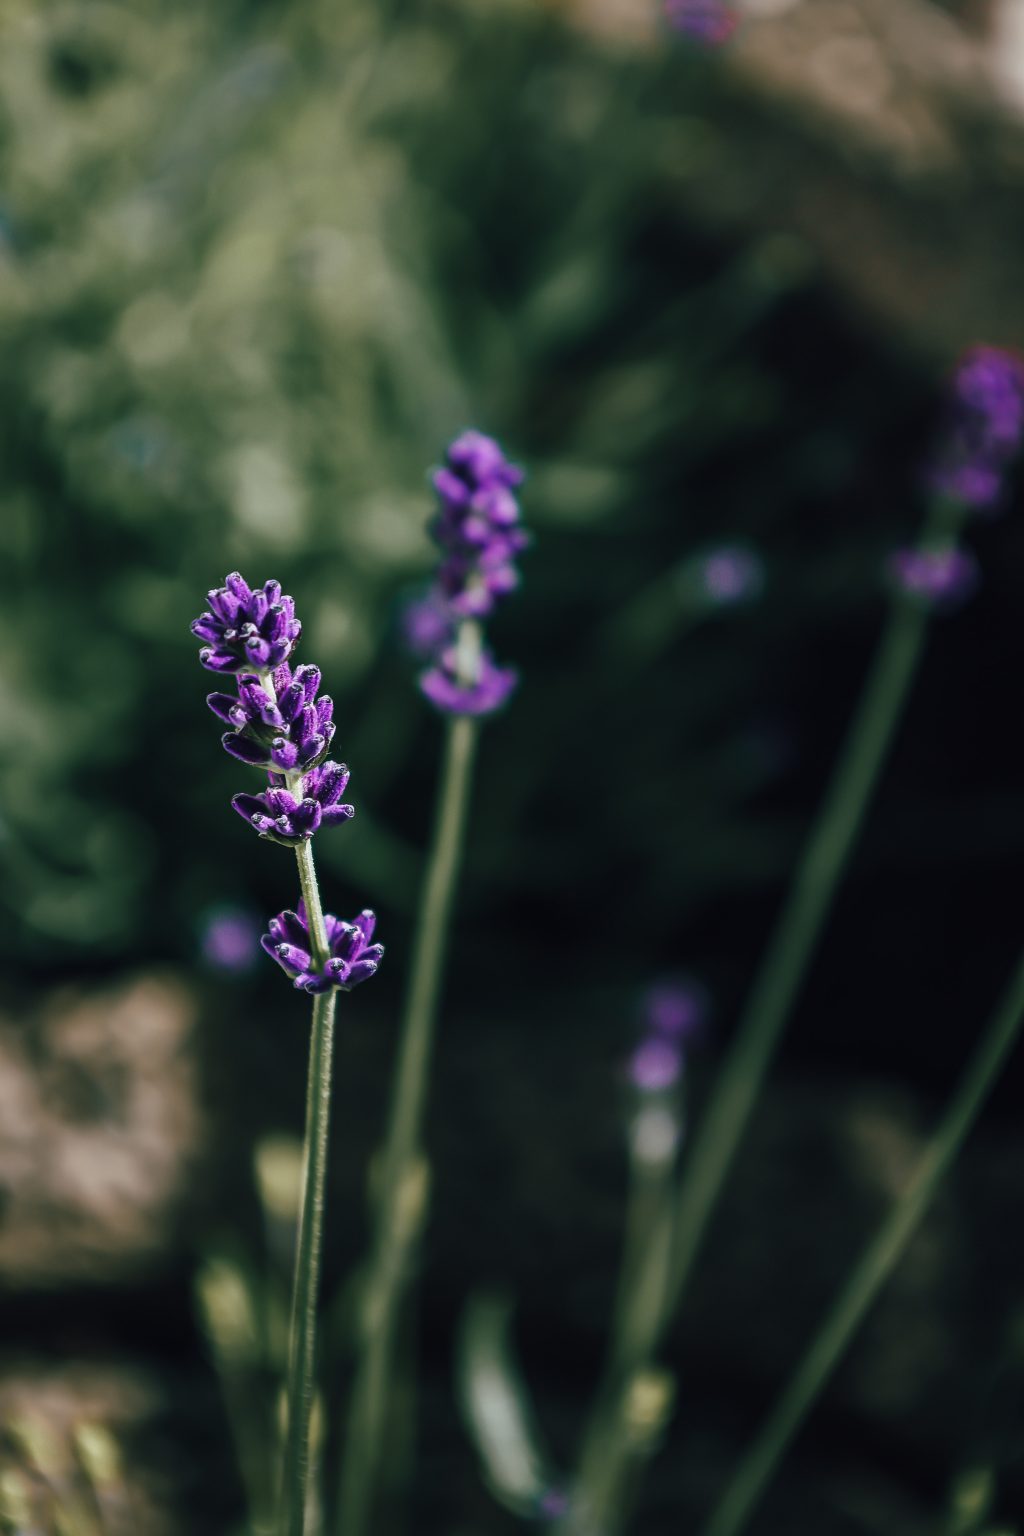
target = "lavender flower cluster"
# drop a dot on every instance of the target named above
(480, 536)
(704, 21)
(983, 430)
(673, 1017)
(281, 724)
(985, 424)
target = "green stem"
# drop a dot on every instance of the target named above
(874, 1268)
(399, 1208)
(612, 1447)
(806, 911)
(302, 1337)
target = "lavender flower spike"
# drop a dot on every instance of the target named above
(246, 628)
(984, 428)
(281, 815)
(352, 957)
(477, 526)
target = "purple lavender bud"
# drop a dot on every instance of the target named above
(246, 628)
(984, 426)
(446, 692)
(553, 1505)
(352, 958)
(704, 21)
(941, 578)
(656, 1065)
(731, 574)
(476, 526)
(290, 735)
(229, 938)
(676, 1009)
(282, 817)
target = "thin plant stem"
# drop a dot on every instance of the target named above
(806, 911)
(612, 1445)
(302, 1336)
(874, 1268)
(401, 1199)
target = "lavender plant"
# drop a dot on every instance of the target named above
(985, 423)
(281, 726)
(477, 528)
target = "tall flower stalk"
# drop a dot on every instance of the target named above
(478, 530)
(876, 1264)
(281, 726)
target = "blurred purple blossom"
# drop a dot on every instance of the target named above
(230, 939)
(943, 578)
(427, 623)
(477, 526)
(705, 21)
(445, 690)
(731, 574)
(675, 1008)
(655, 1065)
(984, 426)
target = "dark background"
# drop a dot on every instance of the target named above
(257, 266)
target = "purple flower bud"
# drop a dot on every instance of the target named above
(352, 958)
(244, 628)
(442, 686)
(984, 427)
(291, 734)
(656, 1065)
(942, 578)
(705, 21)
(476, 526)
(229, 938)
(675, 1008)
(280, 816)
(731, 574)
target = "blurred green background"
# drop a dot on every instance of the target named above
(258, 263)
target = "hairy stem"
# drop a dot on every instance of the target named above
(402, 1191)
(305, 1291)
(875, 1266)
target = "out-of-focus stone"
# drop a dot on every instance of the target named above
(99, 1131)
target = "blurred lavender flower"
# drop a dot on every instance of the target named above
(675, 1008)
(477, 528)
(553, 1505)
(705, 21)
(673, 1014)
(731, 574)
(246, 628)
(352, 957)
(427, 624)
(492, 686)
(942, 578)
(656, 1065)
(291, 817)
(229, 939)
(985, 424)
(287, 728)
